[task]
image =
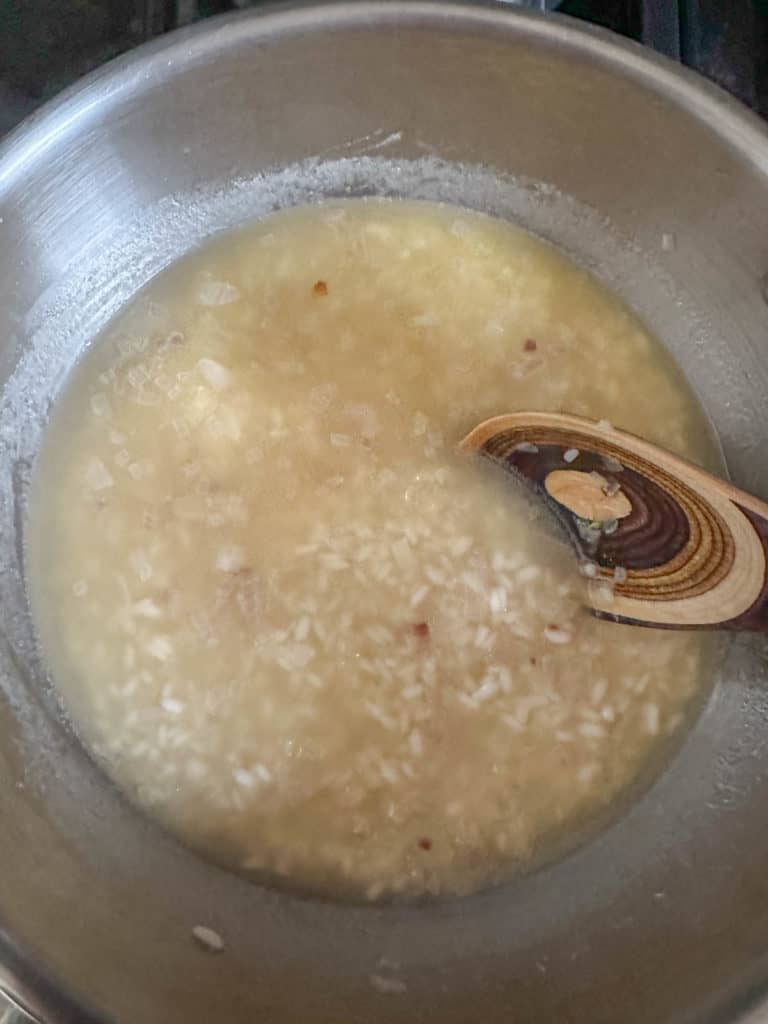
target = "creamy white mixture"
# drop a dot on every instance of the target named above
(290, 620)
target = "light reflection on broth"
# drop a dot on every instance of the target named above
(290, 621)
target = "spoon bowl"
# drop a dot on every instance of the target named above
(662, 542)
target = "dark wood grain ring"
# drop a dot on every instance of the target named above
(672, 545)
(685, 551)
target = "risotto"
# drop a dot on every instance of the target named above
(295, 625)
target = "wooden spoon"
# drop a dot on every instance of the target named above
(662, 542)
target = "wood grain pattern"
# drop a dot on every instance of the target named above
(692, 553)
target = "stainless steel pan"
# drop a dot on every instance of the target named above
(648, 175)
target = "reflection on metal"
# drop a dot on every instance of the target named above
(158, 16)
(12, 1015)
(535, 5)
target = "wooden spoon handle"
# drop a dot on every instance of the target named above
(692, 551)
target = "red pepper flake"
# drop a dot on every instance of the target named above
(425, 844)
(320, 288)
(421, 629)
(530, 345)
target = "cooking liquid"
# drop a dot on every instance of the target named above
(288, 619)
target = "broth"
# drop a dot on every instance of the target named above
(287, 617)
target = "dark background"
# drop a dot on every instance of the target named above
(47, 44)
